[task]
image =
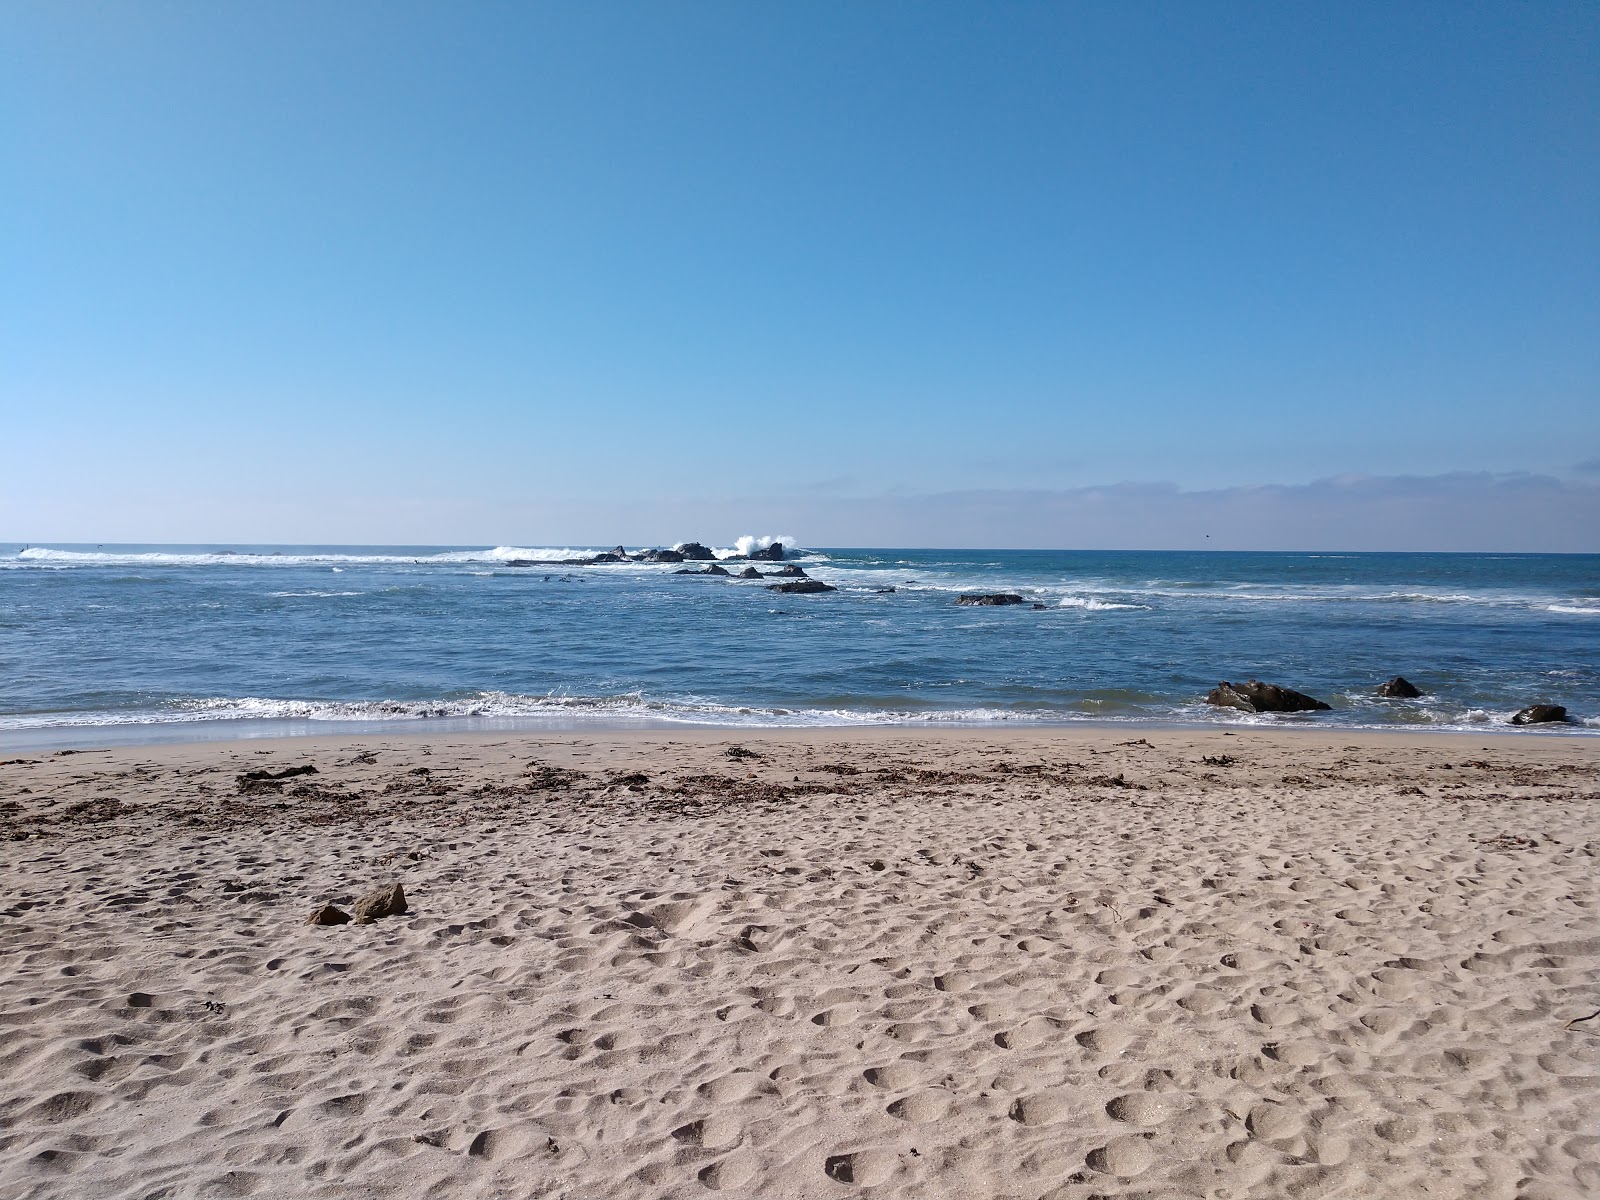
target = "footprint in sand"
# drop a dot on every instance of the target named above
(1123, 1157)
(1145, 1108)
(713, 1132)
(928, 1105)
(734, 1171)
(863, 1167)
(1041, 1108)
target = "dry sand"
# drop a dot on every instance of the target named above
(1019, 964)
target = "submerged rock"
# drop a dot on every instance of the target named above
(989, 598)
(801, 587)
(385, 902)
(1253, 696)
(1401, 688)
(1540, 714)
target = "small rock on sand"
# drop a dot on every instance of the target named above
(327, 914)
(385, 902)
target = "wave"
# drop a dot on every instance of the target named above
(1094, 604)
(629, 706)
(634, 709)
(1572, 608)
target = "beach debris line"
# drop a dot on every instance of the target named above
(1540, 714)
(270, 781)
(1254, 696)
(1507, 842)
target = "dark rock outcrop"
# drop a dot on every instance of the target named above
(327, 914)
(773, 553)
(801, 587)
(1400, 688)
(989, 598)
(715, 569)
(1253, 696)
(659, 556)
(385, 902)
(1540, 714)
(695, 552)
(788, 571)
(749, 573)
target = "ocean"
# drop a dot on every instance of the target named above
(141, 643)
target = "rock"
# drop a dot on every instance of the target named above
(714, 569)
(1040, 607)
(1253, 696)
(773, 553)
(1540, 714)
(1401, 688)
(660, 556)
(789, 571)
(328, 915)
(989, 598)
(801, 587)
(749, 573)
(610, 556)
(883, 591)
(695, 552)
(385, 902)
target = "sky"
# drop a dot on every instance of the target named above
(1275, 275)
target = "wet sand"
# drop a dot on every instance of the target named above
(1015, 963)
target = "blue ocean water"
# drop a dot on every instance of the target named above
(162, 640)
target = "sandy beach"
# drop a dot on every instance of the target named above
(1023, 963)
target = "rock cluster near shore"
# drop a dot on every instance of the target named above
(683, 552)
(1252, 696)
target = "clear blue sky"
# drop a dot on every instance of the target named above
(565, 273)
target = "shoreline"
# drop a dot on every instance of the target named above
(133, 734)
(803, 963)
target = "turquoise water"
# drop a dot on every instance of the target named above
(234, 640)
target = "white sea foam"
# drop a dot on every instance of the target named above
(749, 544)
(1094, 604)
(498, 555)
(1572, 608)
